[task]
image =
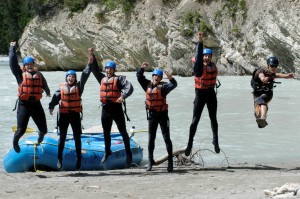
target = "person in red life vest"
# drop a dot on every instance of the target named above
(114, 89)
(31, 84)
(262, 83)
(205, 75)
(157, 110)
(68, 96)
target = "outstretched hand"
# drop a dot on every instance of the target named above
(13, 43)
(168, 73)
(145, 65)
(91, 51)
(91, 56)
(200, 36)
(291, 75)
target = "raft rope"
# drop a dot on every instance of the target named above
(34, 156)
(36, 144)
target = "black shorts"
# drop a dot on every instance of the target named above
(262, 98)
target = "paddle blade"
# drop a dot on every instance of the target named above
(28, 130)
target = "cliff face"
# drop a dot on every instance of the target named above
(242, 35)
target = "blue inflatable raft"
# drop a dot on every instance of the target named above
(43, 156)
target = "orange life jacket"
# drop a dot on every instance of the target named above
(109, 91)
(208, 78)
(70, 98)
(154, 99)
(31, 86)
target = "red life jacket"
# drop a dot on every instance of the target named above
(109, 91)
(208, 78)
(31, 86)
(154, 99)
(70, 98)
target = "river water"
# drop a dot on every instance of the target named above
(240, 138)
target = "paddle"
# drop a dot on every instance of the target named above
(133, 131)
(28, 130)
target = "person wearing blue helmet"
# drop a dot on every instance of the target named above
(114, 89)
(157, 110)
(262, 83)
(31, 84)
(68, 96)
(205, 76)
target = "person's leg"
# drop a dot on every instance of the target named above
(199, 104)
(106, 120)
(38, 115)
(119, 118)
(22, 122)
(77, 131)
(63, 124)
(165, 129)
(152, 127)
(262, 101)
(263, 111)
(212, 105)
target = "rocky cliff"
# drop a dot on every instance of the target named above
(242, 33)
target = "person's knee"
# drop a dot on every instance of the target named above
(43, 130)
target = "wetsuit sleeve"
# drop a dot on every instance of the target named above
(96, 71)
(45, 85)
(168, 87)
(198, 66)
(126, 87)
(14, 66)
(84, 77)
(55, 99)
(142, 79)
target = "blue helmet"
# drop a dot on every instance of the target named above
(207, 51)
(110, 64)
(273, 61)
(27, 60)
(71, 72)
(157, 72)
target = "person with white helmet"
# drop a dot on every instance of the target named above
(114, 89)
(157, 110)
(262, 83)
(205, 76)
(68, 96)
(31, 84)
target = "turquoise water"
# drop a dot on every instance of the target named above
(240, 138)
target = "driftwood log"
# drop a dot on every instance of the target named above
(165, 157)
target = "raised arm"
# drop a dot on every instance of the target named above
(87, 70)
(141, 77)
(198, 66)
(168, 87)
(13, 63)
(94, 67)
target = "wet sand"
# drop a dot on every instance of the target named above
(234, 181)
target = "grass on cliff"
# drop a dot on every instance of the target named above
(192, 22)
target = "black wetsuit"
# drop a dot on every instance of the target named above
(202, 97)
(155, 118)
(72, 118)
(26, 109)
(114, 112)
